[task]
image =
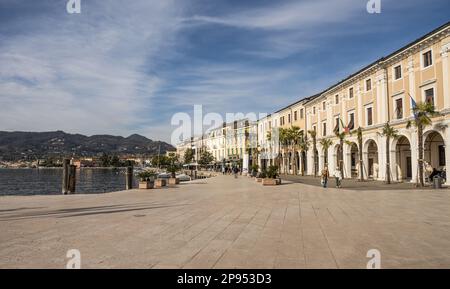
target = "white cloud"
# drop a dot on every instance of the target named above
(292, 15)
(86, 73)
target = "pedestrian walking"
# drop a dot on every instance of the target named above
(338, 177)
(325, 176)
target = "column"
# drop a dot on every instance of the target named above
(359, 104)
(412, 83)
(381, 146)
(382, 83)
(447, 154)
(365, 159)
(414, 156)
(347, 161)
(321, 159)
(310, 161)
(445, 74)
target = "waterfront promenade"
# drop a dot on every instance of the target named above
(227, 223)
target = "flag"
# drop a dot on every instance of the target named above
(413, 105)
(349, 126)
(336, 128)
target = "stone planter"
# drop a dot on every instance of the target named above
(159, 183)
(174, 181)
(271, 182)
(259, 180)
(146, 185)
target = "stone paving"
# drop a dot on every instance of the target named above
(227, 223)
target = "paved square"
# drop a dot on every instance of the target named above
(227, 223)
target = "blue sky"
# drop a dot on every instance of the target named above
(124, 67)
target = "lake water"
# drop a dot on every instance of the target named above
(48, 181)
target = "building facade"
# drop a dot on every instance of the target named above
(384, 91)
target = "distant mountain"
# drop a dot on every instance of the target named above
(32, 145)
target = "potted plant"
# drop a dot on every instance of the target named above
(260, 176)
(255, 169)
(173, 168)
(271, 177)
(159, 183)
(146, 180)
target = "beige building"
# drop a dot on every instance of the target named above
(229, 143)
(381, 92)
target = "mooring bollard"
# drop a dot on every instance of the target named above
(72, 179)
(65, 177)
(129, 178)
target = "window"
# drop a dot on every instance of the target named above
(351, 123)
(324, 105)
(399, 108)
(441, 149)
(336, 99)
(429, 96)
(324, 129)
(289, 118)
(301, 113)
(314, 110)
(427, 59)
(368, 84)
(350, 92)
(314, 128)
(295, 115)
(369, 116)
(397, 72)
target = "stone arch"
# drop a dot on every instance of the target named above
(371, 158)
(433, 153)
(402, 160)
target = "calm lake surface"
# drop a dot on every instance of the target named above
(48, 181)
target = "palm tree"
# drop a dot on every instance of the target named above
(283, 140)
(341, 137)
(389, 133)
(423, 112)
(326, 143)
(294, 136)
(303, 146)
(360, 152)
(313, 134)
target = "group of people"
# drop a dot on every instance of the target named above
(326, 175)
(231, 170)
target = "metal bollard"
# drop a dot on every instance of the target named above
(129, 178)
(65, 177)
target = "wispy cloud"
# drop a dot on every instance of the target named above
(124, 68)
(297, 15)
(86, 73)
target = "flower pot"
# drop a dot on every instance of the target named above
(174, 181)
(270, 182)
(146, 185)
(159, 183)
